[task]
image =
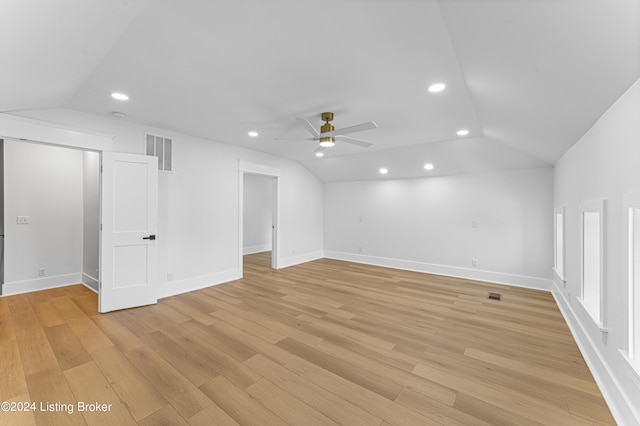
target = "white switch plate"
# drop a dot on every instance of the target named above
(23, 220)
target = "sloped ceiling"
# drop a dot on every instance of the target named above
(526, 78)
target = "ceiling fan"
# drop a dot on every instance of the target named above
(328, 135)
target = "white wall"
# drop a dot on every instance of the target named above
(45, 184)
(427, 225)
(90, 218)
(198, 238)
(258, 213)
(604, 164)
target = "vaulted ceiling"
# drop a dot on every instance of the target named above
(527, 78)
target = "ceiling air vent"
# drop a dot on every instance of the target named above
(160, 147)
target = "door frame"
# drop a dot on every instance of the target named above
(259, 170)
(34, 131)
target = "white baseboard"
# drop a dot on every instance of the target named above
(450, 271)
(256, 249)
(90, 282)
(622, 407)
(41, 283)
(173, 288)
(298, 259)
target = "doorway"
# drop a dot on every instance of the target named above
(258, 216)
(50, 208)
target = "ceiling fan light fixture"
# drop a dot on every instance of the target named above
(327, 142)
(319, 154)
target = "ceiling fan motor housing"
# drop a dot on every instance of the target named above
(325, 128)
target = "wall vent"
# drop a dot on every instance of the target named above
(495, 296)
(160, 147)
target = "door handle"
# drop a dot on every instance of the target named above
(150, 237)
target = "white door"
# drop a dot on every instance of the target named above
(129, 217)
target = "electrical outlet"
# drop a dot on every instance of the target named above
(474, 263)
(359, 218)
(474, 224)
(42, 272)
(169, 276)
(360, 249)
(23, 220)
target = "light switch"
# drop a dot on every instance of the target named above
(23, 220)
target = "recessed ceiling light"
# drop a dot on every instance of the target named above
(437, 87)
(120, 96)
(462, 132)
(428, 166)
(384, 171)
(319, 154)
(253, 134)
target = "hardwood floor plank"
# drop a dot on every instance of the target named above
(185, 397)
(97, 401)
(13, 382)
(35, 352)
(489, 413)
(91, 337)
(194, 368)
(437, 411)
(286, 406)
(117, 333)
(67, 348)
(56, 403)
(18, 418)
(140, 396)
(320, 399)
(238, 404)
(363, 375)
(249, 326)
(47, 314)
(212, 415)
(167, 416)
(536, 371)
(6, 324)
(369, 401)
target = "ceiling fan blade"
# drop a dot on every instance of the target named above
(353, 141)
(307, 125)
(351, 129)
(319, 149)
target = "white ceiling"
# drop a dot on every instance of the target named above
(527, 78)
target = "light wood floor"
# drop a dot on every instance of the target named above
(322, 343)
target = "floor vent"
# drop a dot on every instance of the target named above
(495, 296)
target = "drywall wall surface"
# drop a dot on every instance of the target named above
(90, 218)
(494, 226)
(43, 186)
(603, 164)
(199, 225)
(258, 213)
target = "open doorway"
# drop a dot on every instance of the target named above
(259, 188)
(258, 223)
(50, 207)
